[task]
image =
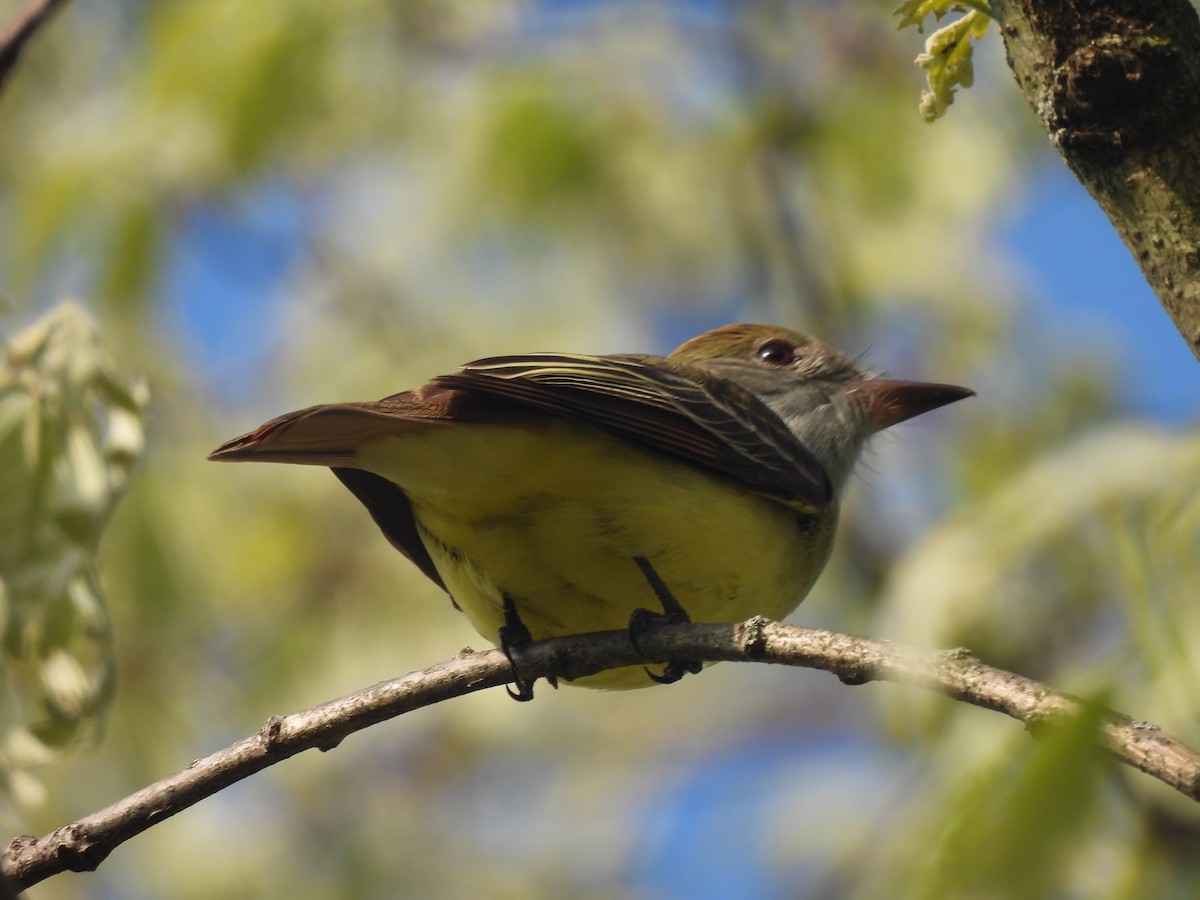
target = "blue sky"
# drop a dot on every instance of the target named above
(1087, 282)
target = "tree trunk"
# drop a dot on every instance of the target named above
(1116, 84)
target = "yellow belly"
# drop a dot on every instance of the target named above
(554, 516)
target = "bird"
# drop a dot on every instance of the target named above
(557, 493)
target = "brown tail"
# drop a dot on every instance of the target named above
(317, 436)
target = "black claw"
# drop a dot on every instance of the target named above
(523, 693)
(674, 672)
(524, 689)
(642, 620)
(512, 634)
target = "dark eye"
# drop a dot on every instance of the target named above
(776, 353)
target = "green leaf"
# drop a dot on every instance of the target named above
(947, 59)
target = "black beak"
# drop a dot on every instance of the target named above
(889, 402)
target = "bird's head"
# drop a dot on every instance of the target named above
(830, 404)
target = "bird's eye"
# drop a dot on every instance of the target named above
(776, 353)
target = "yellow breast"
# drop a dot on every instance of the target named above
(553, 516)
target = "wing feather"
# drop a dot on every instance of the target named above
(665, 405)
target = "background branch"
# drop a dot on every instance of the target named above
(82, 845)
(1116, 85)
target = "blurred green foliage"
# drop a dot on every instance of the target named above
(463, 178)
(70, 434)
(1047, 791)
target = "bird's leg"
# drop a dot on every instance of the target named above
(512, 635)
(673, 614)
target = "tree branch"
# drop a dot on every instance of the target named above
(1116, 84)
(84, 844)
(14, 38)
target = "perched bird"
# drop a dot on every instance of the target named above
(555, 493)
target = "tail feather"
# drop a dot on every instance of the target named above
(318, 436)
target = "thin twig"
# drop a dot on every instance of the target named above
(14, 37)
(84, 844)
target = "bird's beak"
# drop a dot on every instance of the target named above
(888, 402)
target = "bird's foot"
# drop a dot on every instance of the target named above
(642, 620)
(512, 635)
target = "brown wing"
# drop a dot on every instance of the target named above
(663, 405)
